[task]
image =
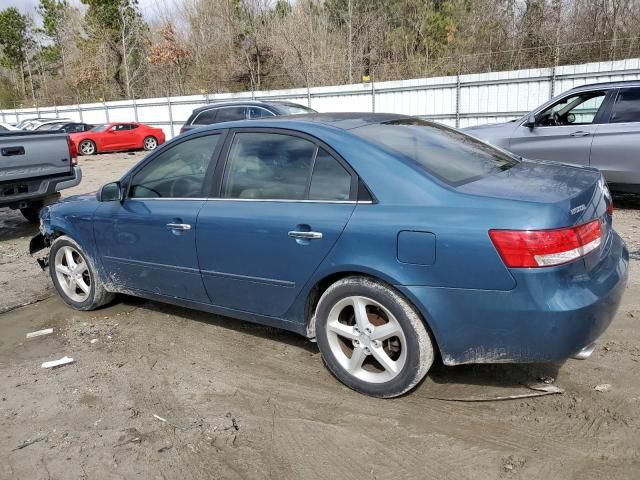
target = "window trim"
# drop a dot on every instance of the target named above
(599, 118)
(208, 176)
(613, 105)
(247, 107)
(217, 109)
(223, 160)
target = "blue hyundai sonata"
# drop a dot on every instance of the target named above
(386, 238)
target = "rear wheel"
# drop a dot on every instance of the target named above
(87, 147)
(74, 276)
(371, 338)
(150, 143)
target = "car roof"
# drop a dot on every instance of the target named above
(304, 122)
(618, 84)
(237, 103)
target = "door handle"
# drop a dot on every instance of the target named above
(305, 235)
(580, 133)
(178, 226)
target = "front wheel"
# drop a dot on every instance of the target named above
(87, 147)
(150, 143)
(371, 338)
(74, 276)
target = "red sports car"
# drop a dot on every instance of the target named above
(112, 137)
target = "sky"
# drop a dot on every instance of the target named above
(149, 8)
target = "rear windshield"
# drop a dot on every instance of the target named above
(449, 155)
(99, 128)
(294, 109)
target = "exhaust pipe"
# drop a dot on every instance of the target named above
(585, 352)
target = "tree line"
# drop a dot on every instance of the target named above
(108, 49)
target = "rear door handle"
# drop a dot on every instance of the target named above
(178, 226)
(580, 133)
(305, 235)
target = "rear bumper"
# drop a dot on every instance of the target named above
(20, 193)
(551, 314)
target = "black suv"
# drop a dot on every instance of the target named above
(229, 111)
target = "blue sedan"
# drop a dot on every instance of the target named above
(385, 238)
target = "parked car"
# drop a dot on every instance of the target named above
(386, 238)
(65, 126)
(7, 127)
(34, 168)
(27, 122)
(230, 111)
(112, 137)
(596, 125)
(36, 124)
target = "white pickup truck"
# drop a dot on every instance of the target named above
(34, 168)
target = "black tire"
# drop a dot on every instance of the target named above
(419, 347)
(93, 151)
(98, 296)
(144, 143)
(32, 212)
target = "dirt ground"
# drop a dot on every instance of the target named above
(166, 392)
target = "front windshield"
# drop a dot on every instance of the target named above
(295, 109)
(448, 154)
(99, 128)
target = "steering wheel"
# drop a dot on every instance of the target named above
(555, 119)
(187, 185)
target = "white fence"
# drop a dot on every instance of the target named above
(461, 101)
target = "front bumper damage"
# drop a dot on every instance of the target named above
(38, 243)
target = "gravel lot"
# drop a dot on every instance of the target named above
(167, 392)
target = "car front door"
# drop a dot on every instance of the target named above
(283, 202)
(147, 242)
(563, 131)
(616, 146)
(112, 138)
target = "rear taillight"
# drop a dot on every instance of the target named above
(73, 151)
(545, 248)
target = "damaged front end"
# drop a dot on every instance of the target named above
(41, 241)
(38, 243)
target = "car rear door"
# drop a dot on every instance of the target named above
(569, 138)
(616, 145)
(147, 242)
(272, 221)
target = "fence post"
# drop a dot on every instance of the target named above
(106, 111)
(458, 100)
(4, 118)
(135, 109)
(373, 93)
(55, 108)
(80, 113)
(308, 96)
(170, 117)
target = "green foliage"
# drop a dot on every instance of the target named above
(13, 37)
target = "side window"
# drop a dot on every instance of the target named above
(229, 114)
(258, 112)
(206, 118)
(627, 106)
(268, 166)
(579, 109)
(330, 180)
(176, 173)
(133, 126)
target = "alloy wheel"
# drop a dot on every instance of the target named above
(150, 143)
(73, 274)
(87, 148)
(366, 339)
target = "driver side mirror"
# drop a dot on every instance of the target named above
(111, 192)
(531, 121)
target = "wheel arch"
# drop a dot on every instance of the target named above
(321, 285)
